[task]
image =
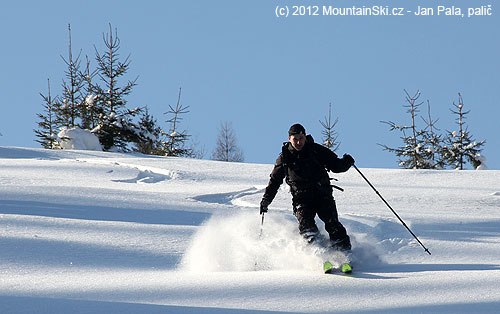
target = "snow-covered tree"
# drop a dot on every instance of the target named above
(71, 101)
(47, 127)
(459, 146)
(175, 140)
(95, 100)
(330, 137)
(481, 162)
(115, 128)
(413, 154)
(432, 141)
(149, 141)
(90, 109)
(226, 147)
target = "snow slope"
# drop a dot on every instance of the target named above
(96, 232)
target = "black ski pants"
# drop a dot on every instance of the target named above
(307, 205)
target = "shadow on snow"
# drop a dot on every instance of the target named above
(25, 305)
(103, 213)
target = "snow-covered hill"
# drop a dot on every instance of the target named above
(95, 232)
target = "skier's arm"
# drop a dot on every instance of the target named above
(334, 163)
(276, 179)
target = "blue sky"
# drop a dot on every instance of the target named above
(236, 61)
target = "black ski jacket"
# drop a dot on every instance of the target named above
(305, 170)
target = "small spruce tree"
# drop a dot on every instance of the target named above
(330, 137)
(459, 146)
(412, 154)
(115, 128)
(68, 110)
(149, 135)
(175, 140)
(47, 127)
(432, 141)
(90, 110)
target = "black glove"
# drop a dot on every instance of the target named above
(348, 159)
(263, 206)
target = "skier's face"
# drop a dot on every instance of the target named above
(298, 141)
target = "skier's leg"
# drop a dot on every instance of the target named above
(337, 232)
(307, 226)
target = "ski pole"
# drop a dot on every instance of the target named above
(427, 250)
(260, 234)
(261, 226)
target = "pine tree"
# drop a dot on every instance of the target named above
(115, 126)
(412, 154)
(330, 137)
(69, 110)
(226, 148)
(459, 146)
(90, 110)
(149, 135)
(99, 106)
(432, 141)
(175, 143)
(47, 126)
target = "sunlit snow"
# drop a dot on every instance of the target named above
(97, 232)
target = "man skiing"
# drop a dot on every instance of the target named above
(304, 165)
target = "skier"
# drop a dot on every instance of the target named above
(304, 164)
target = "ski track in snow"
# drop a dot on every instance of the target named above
(145, 174)
(122, 233)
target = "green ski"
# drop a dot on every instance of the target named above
(328, 268)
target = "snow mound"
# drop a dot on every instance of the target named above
(76, 138)
(148, 176)
(482, 162)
